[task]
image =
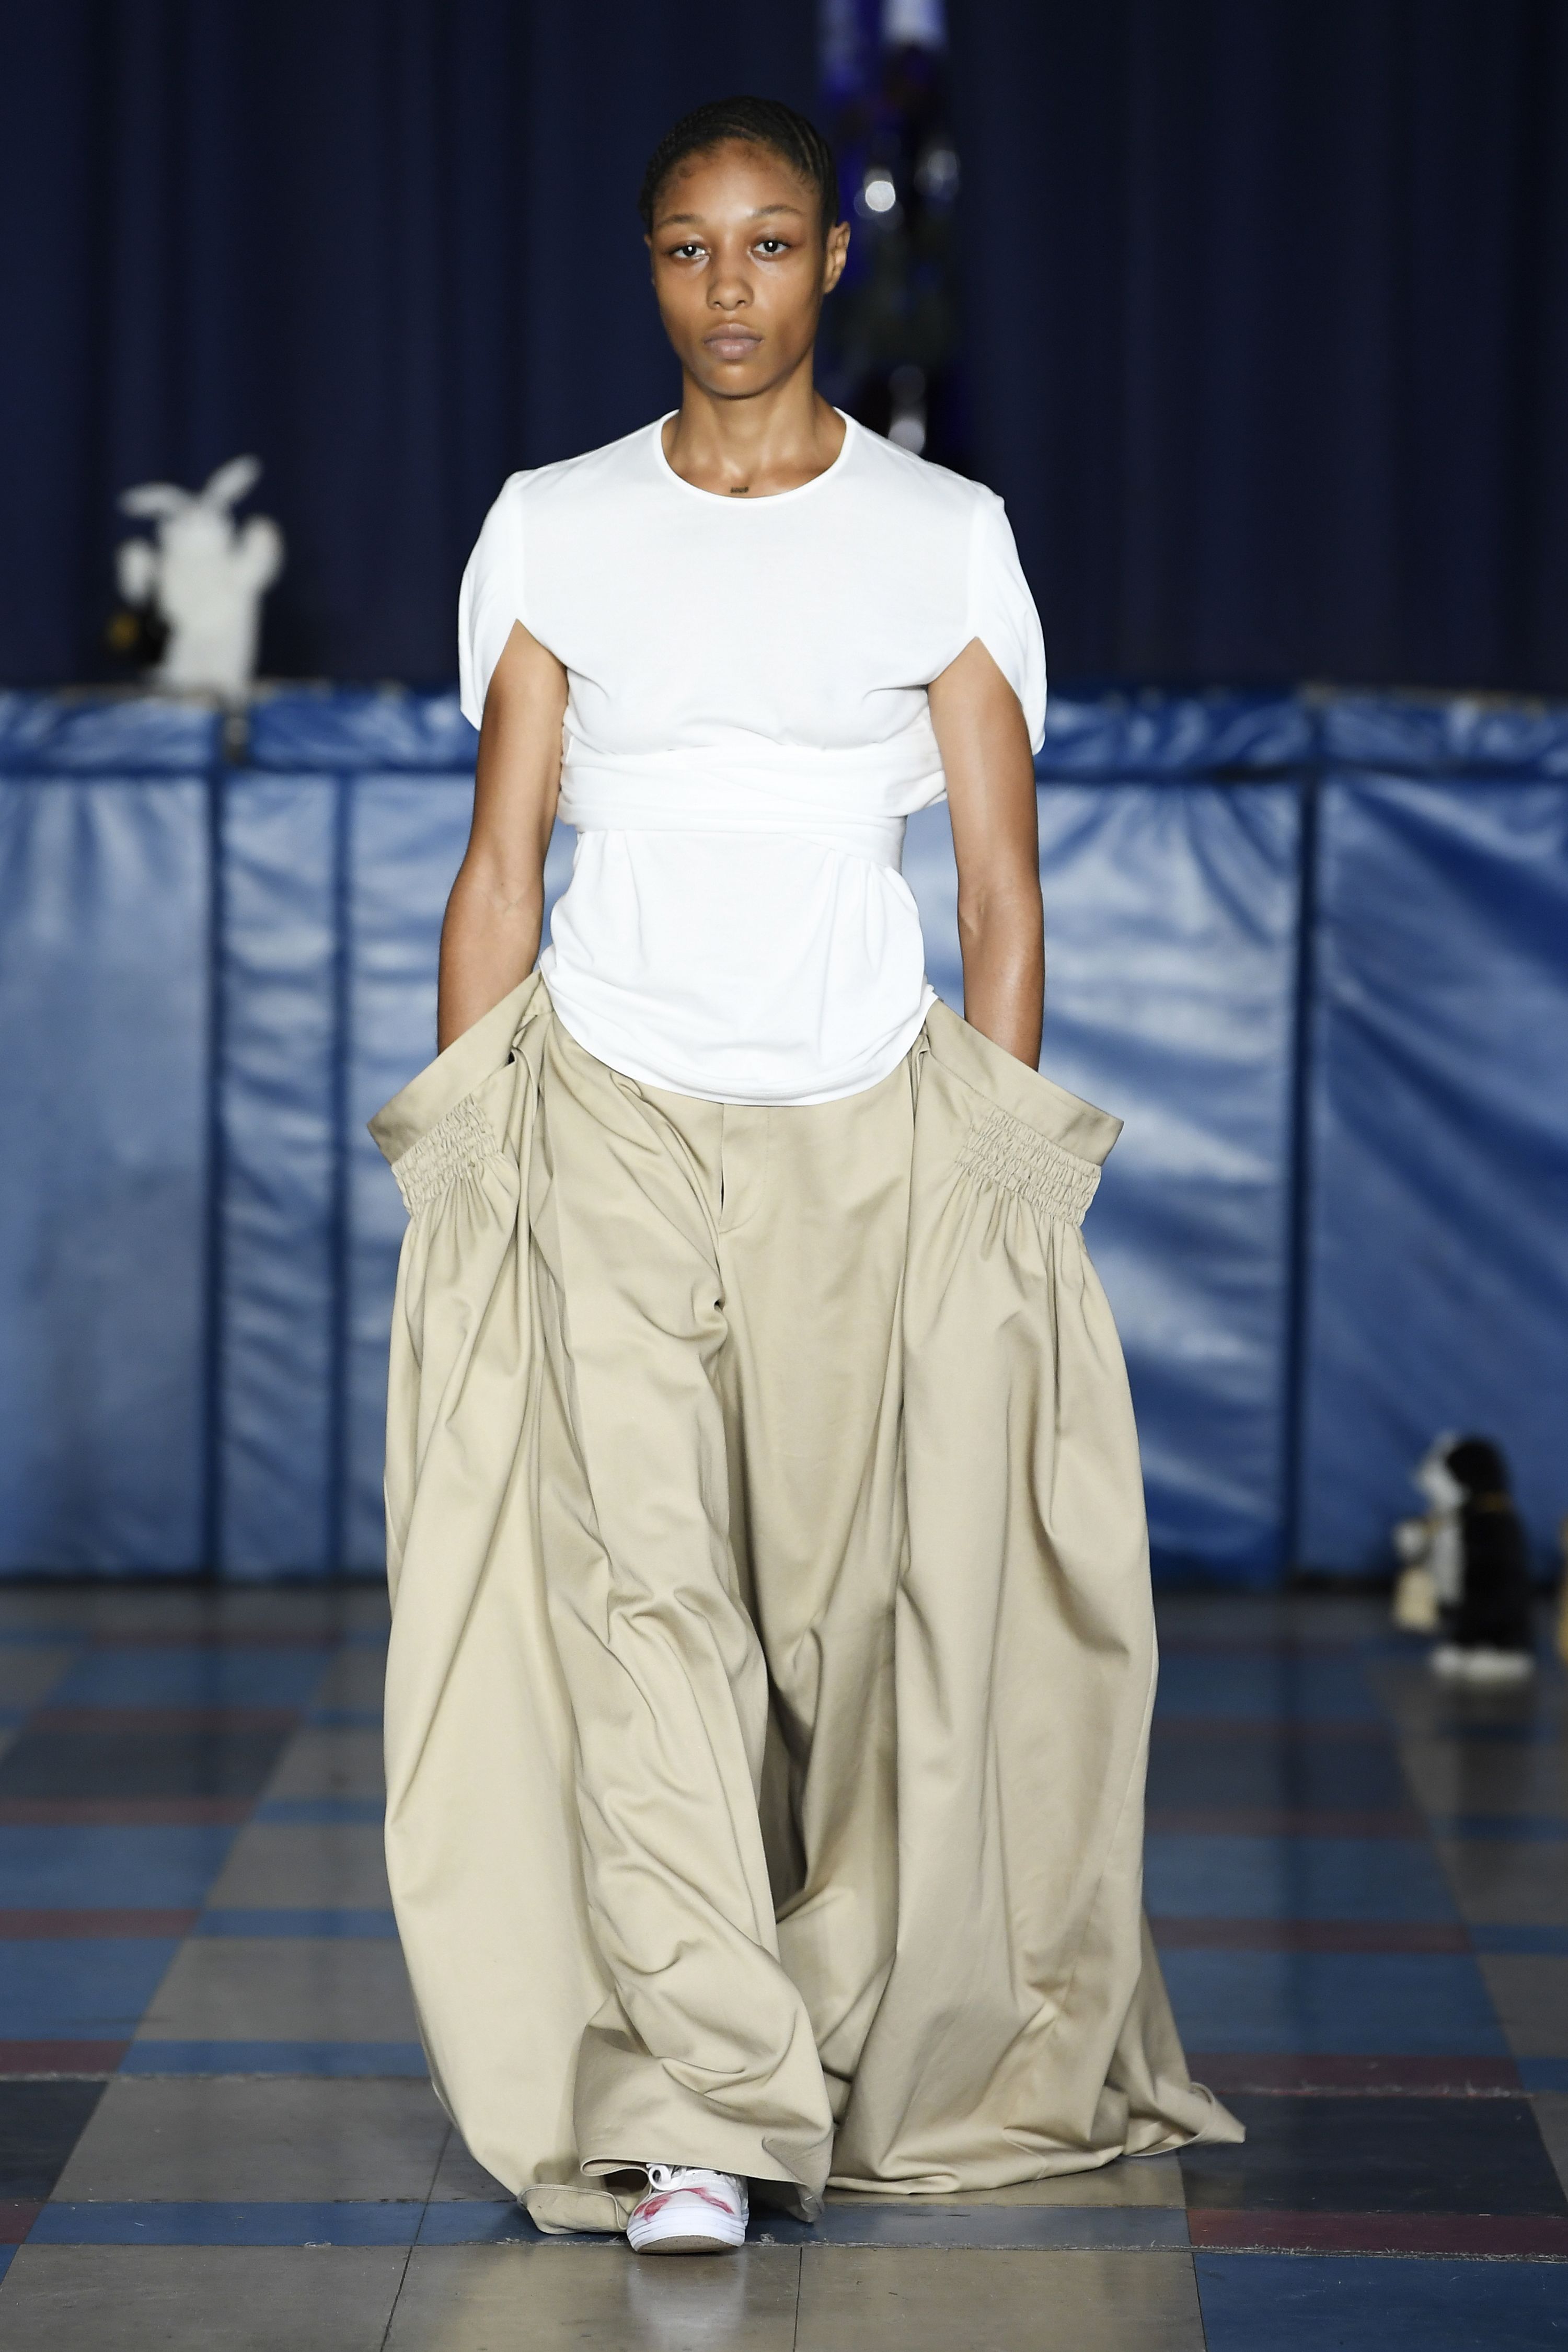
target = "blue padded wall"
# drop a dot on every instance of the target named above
(1438, 1232)
(281, 1129)
(104, 947)
(1334, 1223)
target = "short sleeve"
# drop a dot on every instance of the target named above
(1001, 613)
(490, 598)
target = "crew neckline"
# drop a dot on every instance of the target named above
(770, 498)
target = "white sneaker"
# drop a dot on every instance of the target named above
(1478, 1665)
(689, 2212)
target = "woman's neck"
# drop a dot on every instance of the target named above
(774, 441)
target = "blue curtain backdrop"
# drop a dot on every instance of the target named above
(391, 246)
(1267, 339)
(1315, 954)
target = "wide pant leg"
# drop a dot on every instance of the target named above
(812, 1244)
(703, 2051)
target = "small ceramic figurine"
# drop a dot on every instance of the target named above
(205, 576)
(1467, 1568)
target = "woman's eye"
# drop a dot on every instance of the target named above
(771, 245)
(684, 252)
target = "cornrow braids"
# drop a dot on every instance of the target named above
(760, 122)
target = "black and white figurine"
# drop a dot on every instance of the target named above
(1466, 1573)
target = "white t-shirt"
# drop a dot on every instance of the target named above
(747, 727)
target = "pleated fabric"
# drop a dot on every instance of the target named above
(772, 1652)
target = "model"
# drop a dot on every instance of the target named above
(772, 1651)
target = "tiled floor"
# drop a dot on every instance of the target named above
(215, 2132)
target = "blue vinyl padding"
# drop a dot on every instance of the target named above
(1439, 1207)
(105, 951)
(1314, 950)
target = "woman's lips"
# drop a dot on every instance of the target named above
(731, 344)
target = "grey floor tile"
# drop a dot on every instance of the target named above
(1494, 1880)
(1142, 2180)
(462, 2179)
(199, 2298)
(32, 1608)
(1235, 1619)
(337, 1865)
(1551, 2114)
(355, 1677)
(922, 2224)
(28, 1672)
(1476, 1776)
(195, 2138)
(273, 1988)
(191, 1611)
(1530, 1996)
(941, 2302)
(596, 2299)
(1424, 1707)
(330, 1763)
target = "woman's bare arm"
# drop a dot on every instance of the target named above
(984, 745)
(490, 937)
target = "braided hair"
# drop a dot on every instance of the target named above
(758, 122)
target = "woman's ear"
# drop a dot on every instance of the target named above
(835, 255)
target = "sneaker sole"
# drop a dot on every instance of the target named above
(686, 2244)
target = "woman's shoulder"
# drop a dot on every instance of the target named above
(911, 481)
(570, 480)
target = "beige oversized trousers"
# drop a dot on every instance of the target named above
(771, 1651)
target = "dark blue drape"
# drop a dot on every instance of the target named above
(1267, 339)
(389, 245)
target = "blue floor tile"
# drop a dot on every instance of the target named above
(322, 2059)
(344, 1719)
(1520, 1939)
(1406, 2004)
(304, 1810)
(1260, 1687)
(226, 2224)
(7, 2256)
(94, 1990)
(910, 2221)
(472, 2222)
(1543, 2074)
(1367, 2155)
(149, 1761)
(192, 1675)
(376, 1925)
(1225, 1878)
(1322, 2302)
(1257, 1766)
(94, 1867)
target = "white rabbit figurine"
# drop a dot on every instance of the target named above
(205, 576)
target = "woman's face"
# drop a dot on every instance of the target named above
(740, 266)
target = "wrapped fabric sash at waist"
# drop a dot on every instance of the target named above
(854, 802)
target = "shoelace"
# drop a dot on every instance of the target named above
(667, 2181)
